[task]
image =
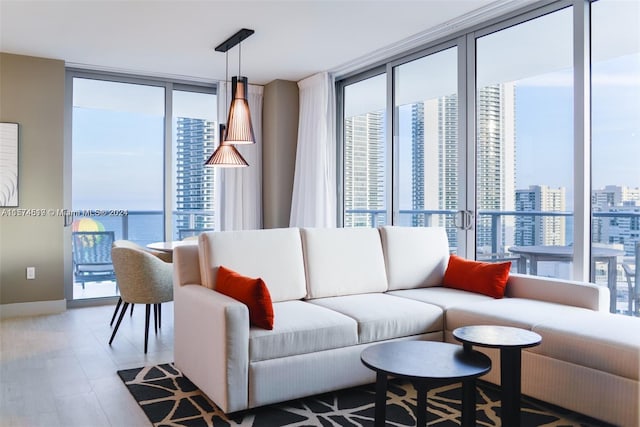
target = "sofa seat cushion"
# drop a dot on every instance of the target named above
(516, 312)
(381, 316)
(603, 341)
(444, 298)
(300, 328)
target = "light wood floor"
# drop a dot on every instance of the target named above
(59, 370)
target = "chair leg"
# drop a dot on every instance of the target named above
(159, 316)
(131, 314)
(155, 317)
(124, 309)
(115, 311)
(146, 327)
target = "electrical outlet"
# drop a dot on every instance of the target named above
(31, 273)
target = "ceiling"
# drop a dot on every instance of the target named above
(292, 40)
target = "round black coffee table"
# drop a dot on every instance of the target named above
(426, 363)
(510, 341)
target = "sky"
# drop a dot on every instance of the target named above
(118, 147)
(118, 153)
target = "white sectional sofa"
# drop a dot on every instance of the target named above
(337, 291)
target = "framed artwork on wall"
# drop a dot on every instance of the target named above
(9, 164)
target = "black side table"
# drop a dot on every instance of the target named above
(510, 341)
(426, 363)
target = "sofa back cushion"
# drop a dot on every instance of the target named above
(273, 255)
(415, 257)
(343, 261)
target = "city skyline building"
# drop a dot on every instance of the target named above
(195, 140)
(434, 151)
(540, 230)
(417, 164)
(621, 230)
(435, 163)
(364, 157)
(495, 165)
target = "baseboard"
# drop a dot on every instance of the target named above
(32, 308)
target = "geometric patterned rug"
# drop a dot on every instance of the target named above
(169, 399)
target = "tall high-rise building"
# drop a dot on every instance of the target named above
(540, 229)
(364, 157)
(495, 164)
(617, 228)
(435, 162)
(195, 141)
(417, 164)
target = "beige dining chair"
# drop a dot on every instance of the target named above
(165, 256)
(143, 278)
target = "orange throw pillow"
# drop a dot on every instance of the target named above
(485, 278)
(252, 292)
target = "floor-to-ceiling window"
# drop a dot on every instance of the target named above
(524, 112)
(519, 156)
(365, 153)
(195, 135)
(615, 185)
(117, 176)
(137, 154)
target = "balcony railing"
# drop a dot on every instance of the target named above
(491, 225)
(146, 226)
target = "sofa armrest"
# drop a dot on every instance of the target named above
(211, 344)
(186, 266)
(577, 294)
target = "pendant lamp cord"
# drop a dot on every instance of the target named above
(226, 81)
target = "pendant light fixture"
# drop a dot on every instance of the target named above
(239, 129)
(226, 155)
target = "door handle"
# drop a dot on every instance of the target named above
(468, 219)
(463, 219)
(458, 220)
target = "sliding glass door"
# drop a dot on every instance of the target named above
(117, 176)
(428, 155)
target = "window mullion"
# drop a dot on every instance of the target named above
(168, 161)
(393, 178)
(467, 85)
(582, 139)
